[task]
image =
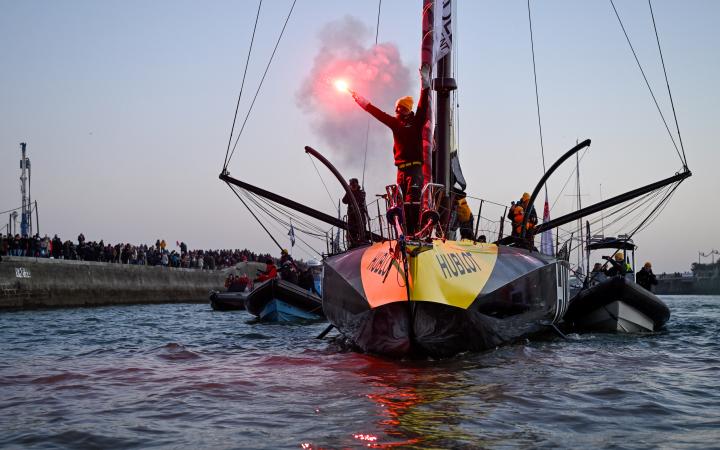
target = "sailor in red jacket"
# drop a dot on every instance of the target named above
(407, 128)
(269, 273)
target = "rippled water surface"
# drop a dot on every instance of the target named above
(184, 376)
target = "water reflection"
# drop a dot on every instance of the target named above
(423, 404)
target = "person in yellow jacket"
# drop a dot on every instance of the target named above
(618, 265)
(465, 219)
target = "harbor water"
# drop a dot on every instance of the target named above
(184, 376)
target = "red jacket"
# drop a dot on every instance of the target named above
(407, 135)
(269, 273)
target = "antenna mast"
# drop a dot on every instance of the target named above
(26, 209)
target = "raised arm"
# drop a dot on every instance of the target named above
(424, 92)
(383, 117)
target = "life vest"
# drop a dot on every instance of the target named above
(518, 215)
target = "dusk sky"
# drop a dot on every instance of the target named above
(126, 108)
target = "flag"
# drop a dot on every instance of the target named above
(443, 28)
(291, 234)
(546, 239)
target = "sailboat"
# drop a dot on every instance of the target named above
(420, 293)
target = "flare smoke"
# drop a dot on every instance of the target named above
(376, 72)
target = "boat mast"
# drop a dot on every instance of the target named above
(443, 85)
(426, 59)
(581, 262)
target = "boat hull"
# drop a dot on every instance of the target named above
(503, 295)
(616, 304)
(279, 301)
(227, 301)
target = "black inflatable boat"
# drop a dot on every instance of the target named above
(227, 301)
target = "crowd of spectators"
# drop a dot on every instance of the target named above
(124, 253)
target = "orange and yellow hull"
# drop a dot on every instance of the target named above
(463, 296)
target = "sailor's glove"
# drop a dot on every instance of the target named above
(359, 99)
(425, 76)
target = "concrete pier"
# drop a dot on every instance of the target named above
(688, 286)
(38, 283)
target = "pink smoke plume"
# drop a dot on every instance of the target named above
(376, 72)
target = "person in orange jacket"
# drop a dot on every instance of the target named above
(517, 214)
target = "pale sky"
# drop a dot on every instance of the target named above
(126, 108)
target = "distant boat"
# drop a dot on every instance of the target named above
(276, 300)
(227, 301)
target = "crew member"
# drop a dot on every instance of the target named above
(407, 128)
(355, 223)
(285, 257)
(645, 277)
(465, 219)
(237, 283)
(269, 273)
(618, 265)
(517, 214)
(288, 268)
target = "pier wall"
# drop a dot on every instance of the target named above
(40, 282)
(688, 286)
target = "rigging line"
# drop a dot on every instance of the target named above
(257, 200)
(640, 202)
(640, 211)
(367, 128)
(502, 205)
(242, 86)
(660, 211)
(568, 179)
(332, 201)
(285, 212)
(296, 236)
(300, 239)
(256, 217)
(262, 80)
(672, 103)
(253, 198)
(667, 197)
(635, 204)
(647, 203)
(537, 96)
(455, 75)
(652, 94)
(11, 210)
